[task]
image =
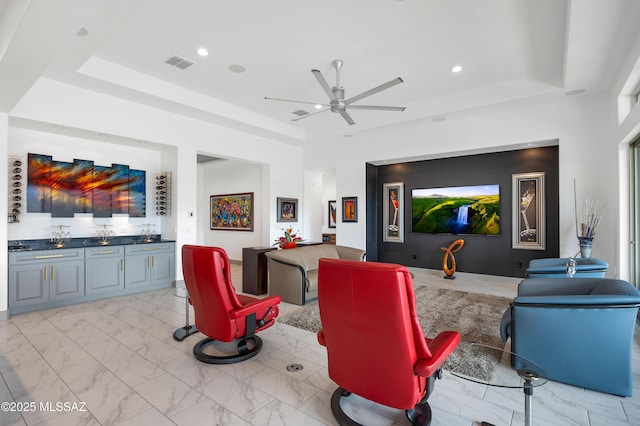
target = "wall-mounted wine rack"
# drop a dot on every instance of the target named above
(163, 194)
(17, 188)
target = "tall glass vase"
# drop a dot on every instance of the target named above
(586, 243)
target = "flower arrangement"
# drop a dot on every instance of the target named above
(288, 240)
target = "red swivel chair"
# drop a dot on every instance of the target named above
(374, 341)
(220, 313)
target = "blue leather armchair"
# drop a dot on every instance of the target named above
(579, 331)
(557, 268)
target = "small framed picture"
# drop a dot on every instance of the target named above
(332, 214)
(393, 212)
(287, 209)
(528, 211)
(349, 209)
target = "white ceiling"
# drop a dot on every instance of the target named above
(510, 51)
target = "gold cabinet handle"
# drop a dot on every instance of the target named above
(148, 261)
(106, 252)
(44, 273)
(122, 264)
(49, 256)
(153, 261)
(53, 276)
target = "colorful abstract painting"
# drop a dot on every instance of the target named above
(83, 191)
(137, 194)
(38, 184)
(120, 189)
(64, 188)
(232, 212)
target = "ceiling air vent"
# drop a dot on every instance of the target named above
(179, 62)
(300, 112)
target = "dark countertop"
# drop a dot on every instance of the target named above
(46, 244)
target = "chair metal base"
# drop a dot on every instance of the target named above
(244, 351)
(184, 332)
(420, 415)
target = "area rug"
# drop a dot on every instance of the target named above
(475, 316)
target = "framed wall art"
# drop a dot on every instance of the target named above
(332, 213)
(393, 212)
(287, 209)
(528, 211)
(349, 209)
(232, 212)
(65, 188)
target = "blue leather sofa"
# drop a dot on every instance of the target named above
(579, 331)
(557, 268)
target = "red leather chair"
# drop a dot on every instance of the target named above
(220, 313)
(374, 341)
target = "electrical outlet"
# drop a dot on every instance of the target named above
(415, 257)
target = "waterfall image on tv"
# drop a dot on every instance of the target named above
(456, 210)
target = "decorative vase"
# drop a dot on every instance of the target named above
(586, 243)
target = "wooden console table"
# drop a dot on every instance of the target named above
(254, 270)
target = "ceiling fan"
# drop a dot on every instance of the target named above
(337, 102)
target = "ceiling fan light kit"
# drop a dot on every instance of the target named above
(337, 102)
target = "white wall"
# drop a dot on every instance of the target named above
(231, 177)
(4, 181)
(328, 194)
(182, 137)
(65, 148)
(580, 124)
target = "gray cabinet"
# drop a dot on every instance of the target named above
(149, 266)
(104, 269)
(40, 277)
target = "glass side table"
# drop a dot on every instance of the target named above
(188, 329)
(509, 370)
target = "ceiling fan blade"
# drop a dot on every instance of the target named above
(381, 108)
(309, 115)
(347, 118)
(324, 84)
(375, 90)
(291, 100)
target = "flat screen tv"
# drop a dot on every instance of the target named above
(456, 210)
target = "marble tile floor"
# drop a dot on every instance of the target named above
(114, 362)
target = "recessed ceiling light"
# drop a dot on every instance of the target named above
(237, 68)
(457, 68)
(318, 106)
(202, 51)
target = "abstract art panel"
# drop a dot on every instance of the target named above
(38, 184)
(120, 189)
(83, 194)
(102, 185)
(62, 189)
(137, 194)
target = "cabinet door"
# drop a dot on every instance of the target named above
(28, 284)
(137, 271)
(162, 269)
(66, 280)
(104, 274)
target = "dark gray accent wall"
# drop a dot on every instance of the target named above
(483, 254)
